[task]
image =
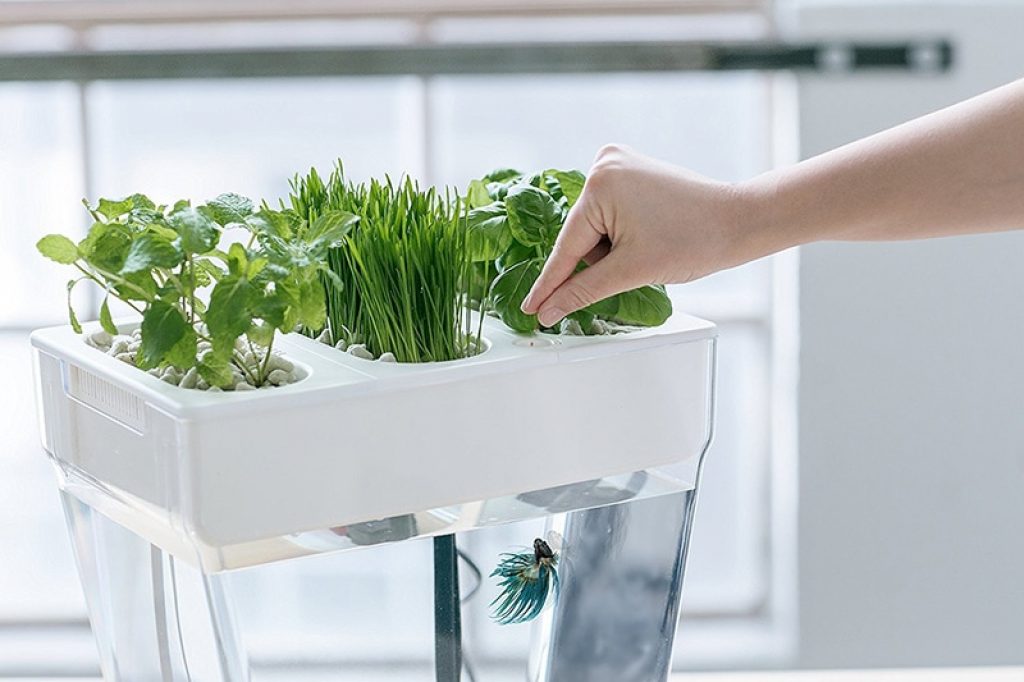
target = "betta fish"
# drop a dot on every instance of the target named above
(527, 579)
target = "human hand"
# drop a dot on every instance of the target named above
(638, 221)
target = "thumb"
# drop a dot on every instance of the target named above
(576, 240)
(606, 278)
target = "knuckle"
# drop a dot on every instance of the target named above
(577, 295)
(601, 175)
(611, 149)
(611, 161)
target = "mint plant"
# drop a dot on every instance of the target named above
(202, 308)
(513, 222)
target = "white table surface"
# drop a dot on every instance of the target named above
(926, 675)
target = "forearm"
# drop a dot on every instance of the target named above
(959, 170)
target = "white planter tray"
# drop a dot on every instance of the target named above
(220, 478)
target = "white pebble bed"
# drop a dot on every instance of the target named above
(358, 350)
(125, 346)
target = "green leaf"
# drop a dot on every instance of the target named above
(477, 194)
(215, 369)
(515, 253)
(647, 306)
(312, 303)
(198, 233)
(272, 306)
(489, 232)
(114, 208)
(106, 321)
(533, 216)
(140, 287)
(210, 268)
(571, 183)
(72, 317)
(149, 251)
(290, 292)
(140, 202)
(163, 326)
(183, 354)
(498, 182)
(333, 278)
(106, 246)
(502, 175)
(508, 291)
(281, 224)
(261, 334)
(330, 229)
(229, 314)
(58, 248)
(228, 208)
(237, 260)
(256, 266)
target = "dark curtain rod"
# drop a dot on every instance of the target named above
(925, 56)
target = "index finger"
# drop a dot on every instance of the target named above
(576, 239)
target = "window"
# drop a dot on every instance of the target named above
(175, 138)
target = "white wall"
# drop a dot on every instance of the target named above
(912, 387)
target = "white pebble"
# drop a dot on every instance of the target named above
(171, 379)
(101, 338)
(119, 346)
(359, 350)
(155, 372)
(126, 357)
(203, 346)
(137, 333)
(244, 386)
(214, 389)
(341, 345)
(201, 384)
(325, 337)
(387, 357)
(279, 377)
(279, 362)
(190, 378)
(571, 327)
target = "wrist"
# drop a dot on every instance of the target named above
(765, 219)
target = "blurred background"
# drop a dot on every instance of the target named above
(862, 504)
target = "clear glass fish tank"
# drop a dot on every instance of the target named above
(575, 467)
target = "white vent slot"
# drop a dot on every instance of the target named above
(109, 399)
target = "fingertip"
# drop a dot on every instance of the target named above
(549, 317)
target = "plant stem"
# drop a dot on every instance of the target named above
(118, 279)
(103, 284)
(240, 364)
(266, 360)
